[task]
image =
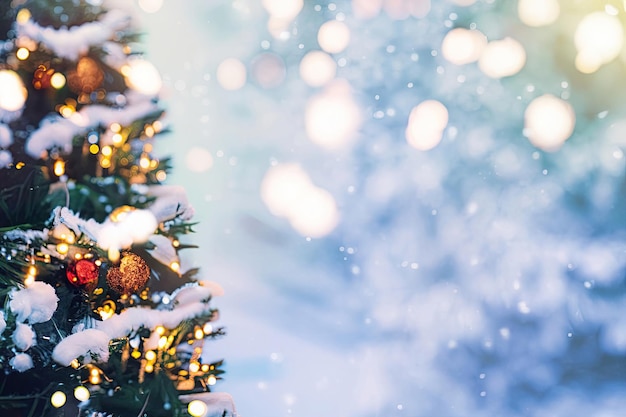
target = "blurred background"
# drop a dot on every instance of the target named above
(416, 208)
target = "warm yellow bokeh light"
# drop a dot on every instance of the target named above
(22, 54)
(13, 91)
(426, 124)
(332, 118)
(461, 46)
(317, 68)
(57, 80)
(502, 58)
(143, 77)
(333, 36)
(81, 393)
(231, 74)
(548, 122)
(538, 12)
(58, 399)
(197, 408)
(599, 39)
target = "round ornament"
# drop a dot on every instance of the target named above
(131, 276)
(82, 272)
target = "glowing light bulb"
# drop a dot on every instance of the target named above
(63, 248)
(194, 367)
(58, 399)
(23, 16)
(143, 77)
(59, 167)
(461, 46)
(207, 328)
(150, 355)
(198, 334)
(548, 122)
(333, 36)
(14, 93)
(81, 393)
(502, 58)
(211, 380)
(175, 266)
(231, 74)
(599, 39)
(426, 124)
(22, 54)
(197, 408)
(57, 80)
(162, 342)
(538, 12)
(160, 330)
(149, 368)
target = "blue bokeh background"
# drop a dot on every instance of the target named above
(485, 277)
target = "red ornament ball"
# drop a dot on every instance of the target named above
(82, 272)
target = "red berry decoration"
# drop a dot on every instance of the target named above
(82, 272)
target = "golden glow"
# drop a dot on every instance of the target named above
(144, 162)
(427, 122)
(175, 266)
(14, 93)
(205, 368)
(107, 150)
(81, 393)
(149, 368)
(333, 36)
(548, 122)
(160, 330)
(208, 328)
(117, 139)
(57, 80)
(502, 58)
(162, 342)
(136, 354)
(462, 46)
(115, 127)
(150, 355)
(59, 167)
(32, 270)
(23, 16)
(94, 149)
(22, 54)
(198, 334)
(75, 364)
(28, 281)
(194, 367)
(105, 163)
(142, 76)
(161, 176)
(58, 399)
(149, 131)
(63, 248)
(66, 111)
(107, 310)
(211, 380)
(196, 408)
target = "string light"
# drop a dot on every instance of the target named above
(14, 93)
(197, 408)
(59, 167)
(22, 54)
(58, 399)
(81, 393)
(198, 334)
(150, 355)
(211, 380)
(63, 248)
(23, 16)
(57, 80)
(175, 266)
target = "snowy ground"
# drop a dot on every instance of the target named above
(482, 277)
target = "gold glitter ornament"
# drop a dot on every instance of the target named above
(131, 276)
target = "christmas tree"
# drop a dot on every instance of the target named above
(98, 317)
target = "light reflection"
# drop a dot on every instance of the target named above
(463, 46)
(502, 58)
(427, 122)
(317, 68)
(538, 12)
(333, 36)
(548, 122)
(599, 39)
(332, 117)
(231, 74)
(288, 192)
